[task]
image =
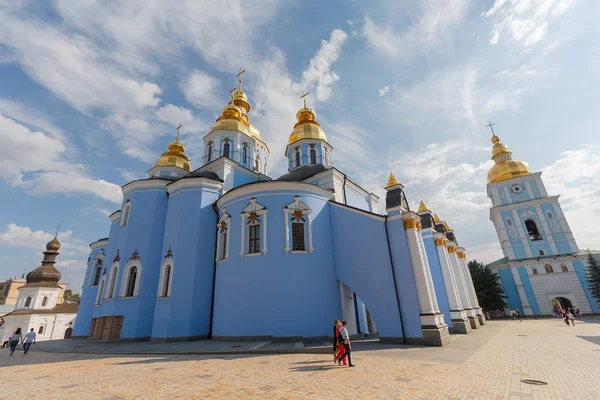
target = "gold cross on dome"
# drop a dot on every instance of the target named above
(57, 229)
(232, 91)
(178, 128)
(304, 97)
(240, 75)
(491, 126)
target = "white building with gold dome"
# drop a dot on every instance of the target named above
(542, 265)
(40, 305)
(227, 252)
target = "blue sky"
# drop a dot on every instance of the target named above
(90, 94)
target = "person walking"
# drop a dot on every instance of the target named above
(14, 340)
(571, 317)
(345, 339)
(565, 317)
(28, 341)
(339, 344)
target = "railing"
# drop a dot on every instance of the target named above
(237, 156)
(306, 160)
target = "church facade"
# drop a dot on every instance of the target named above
(227, 252)
(543, 268)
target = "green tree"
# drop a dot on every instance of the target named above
(71, 297)
(487, 286)
(593, 277)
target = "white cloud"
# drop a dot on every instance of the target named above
(436, 21)
(200, 89)
(38, 163)
(30, 116)
(383, 91)
(526, 21)
(23, 236)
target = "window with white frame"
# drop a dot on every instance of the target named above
(313, 156)
(28, 302)
(550, 216)
(297, 157)
(245, 154)
(254, 229)
(209, 152)
(223, 236)
(257, 164)
(112, 281)
(45, 301)
(97, 269)
(130, 282)
(298, 227)
(100, 290)
(226, 148)
(125, 215)
(166, 275)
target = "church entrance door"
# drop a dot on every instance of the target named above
(68, 333)
(561, 302)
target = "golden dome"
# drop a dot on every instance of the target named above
(254, 130)
(54, 244)
(392, 181)
(423, 207)
(506, 167)
(231, 120)
(174, 157)
(240, 99)
(307, 127)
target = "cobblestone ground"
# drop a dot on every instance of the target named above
(488, 364)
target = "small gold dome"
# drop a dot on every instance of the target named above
(506, 167)
(423, 207)
(392, 181)
(54, 244)
(174, 157)
(231, 120)
(307, 127)
(240, 99)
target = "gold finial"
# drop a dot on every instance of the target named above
(178, 128)
(240, 75)
(392, 181)
(304, 97)
(436, 218)
(57, 229)
(491, 126)
(447, 226)
(423, 207)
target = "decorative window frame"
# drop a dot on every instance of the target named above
(290, 212)
(96, 266)
(312, 150)
(227, 141)
(28, 302)
(125, 279)
(209, 150)
(297, 157)
(44, 301)
(125, 213)
(223, 227)
(114, 269)
(253, 210)
(161, 281)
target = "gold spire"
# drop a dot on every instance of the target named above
(505, 167)
(174, 157)
(436, 218)
(307, 126)
(392, 181)
(447, 226)
(240, 98)
(423, 207)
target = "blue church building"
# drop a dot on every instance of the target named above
(228, 253)
(542, 268)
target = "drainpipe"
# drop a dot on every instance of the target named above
(344, 188)
(394, 276)
(214, 281)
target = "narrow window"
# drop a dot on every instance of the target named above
(532, 229)
(535, 271)
(166, 281)
(245, 154)
(226, 149)
(131, 282)
(97, 276)
(41, 330)
(549, 268)
(298, 243)
(209, 155)
(541, 253)
(257, 164)
(223, 253)
(125, 218)
(509, 222)
(44, 301)
(313, 156)
(297, 155)
(254, 239)
(111, 286)
(28, 302)
(550, 215)
(326, 157)
(564, 268)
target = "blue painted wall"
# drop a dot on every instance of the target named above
(510, 290)
(581, 270)
(528, 290)
(438, 279)
(88, 295)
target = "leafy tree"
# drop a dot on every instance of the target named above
(593, 277)
(71, 297)
(487, 286)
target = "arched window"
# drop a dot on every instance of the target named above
(41, 330)
(550, 216)
(313, 156)
(257, 164)
(245, 154)
(112, 281)
(131, 282)
(226, 147)
(44, 301)
(297, 158)
(99, 294)
(535, 272)
(532, 229)
(508, 221)
(223, 237)
(298, 228)
(541, 253)
(28, 302)
(298, 240)
(164, 289)
(209, 152)
(125, 217)
(549, 268)
(564, 268)
(254, 217)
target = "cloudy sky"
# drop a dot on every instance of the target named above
(91, 92)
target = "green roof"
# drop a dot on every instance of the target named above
(505, 260)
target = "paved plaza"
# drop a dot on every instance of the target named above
(490, 363)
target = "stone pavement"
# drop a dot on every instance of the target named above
(490, 363)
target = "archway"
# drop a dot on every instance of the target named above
(561, 302)
(68, 333)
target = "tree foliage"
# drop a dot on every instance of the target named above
(71, 297)
(487, 286)
(593, 277)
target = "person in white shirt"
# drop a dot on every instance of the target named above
(28, 341)
(345, 340)
(14, 340)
